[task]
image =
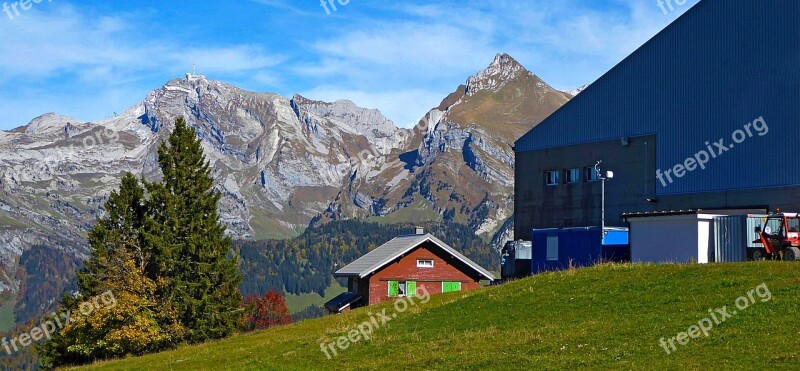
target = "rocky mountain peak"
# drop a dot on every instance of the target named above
(280, 163)
(577, 91)
(503, 69)
(47, 123)
(347, 115)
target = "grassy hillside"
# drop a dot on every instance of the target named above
(7, 312)
(296, 303)
(603, 317)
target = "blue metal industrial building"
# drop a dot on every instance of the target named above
(706, 115)
(558, 249)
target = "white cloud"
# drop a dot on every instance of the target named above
(401, 65)
(399, 57)
(232, 59)
(406, 51)
(65, 40)
(284, 5)
(89, 67)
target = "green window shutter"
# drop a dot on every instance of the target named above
(451, 286)
(411, 289)
(394, 288)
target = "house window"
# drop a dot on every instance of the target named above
(552, 248)
(424, 263)
(451, 287)
(591, 174)
(553, 177)
(402, 288)
(573, 175)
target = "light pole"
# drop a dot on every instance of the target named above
(609, 175)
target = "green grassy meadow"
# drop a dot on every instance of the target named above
(609, 317)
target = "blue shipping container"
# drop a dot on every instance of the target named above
(558, 249)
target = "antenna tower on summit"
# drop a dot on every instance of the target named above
(191, 76)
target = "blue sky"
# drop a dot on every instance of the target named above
(91, 59)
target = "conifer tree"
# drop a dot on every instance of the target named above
(192, 253)
(138, 321)
(121, 229)
(162, 252)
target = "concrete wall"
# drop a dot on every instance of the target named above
(576, 205)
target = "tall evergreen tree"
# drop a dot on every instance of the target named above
(139, 321)
(121, 229)
(192, 253)
(162, 252)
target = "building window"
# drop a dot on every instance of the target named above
(552, 248)
(573, 175)
(553, 177)
(591, 174)
(395, 289)
(424, 263)
(402, 288)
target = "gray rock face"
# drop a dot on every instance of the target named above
(502, 70)
(278, 162)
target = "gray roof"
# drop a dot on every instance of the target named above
(398, 246)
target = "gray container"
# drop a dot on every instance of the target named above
(734, 235)
(524, 250)
(516, 259)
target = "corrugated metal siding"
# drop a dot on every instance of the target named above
(733, 235)
(729, 239)
(720, 66)
(577, 247)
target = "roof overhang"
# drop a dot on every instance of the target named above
(455, 254)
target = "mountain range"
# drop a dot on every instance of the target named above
(282, 164)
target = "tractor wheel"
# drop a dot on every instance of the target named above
(791, 254)
(757, 255)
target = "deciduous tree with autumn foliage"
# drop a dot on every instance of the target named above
(265, 312)
(162, 251)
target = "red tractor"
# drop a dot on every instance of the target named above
(780, 236)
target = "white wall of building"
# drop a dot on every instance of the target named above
(672, 238)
